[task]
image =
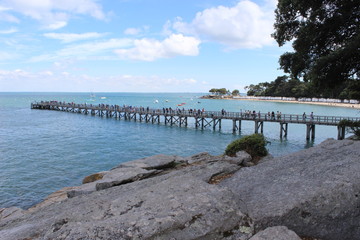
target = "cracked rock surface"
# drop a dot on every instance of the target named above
(171, 199)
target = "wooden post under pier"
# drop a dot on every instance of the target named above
(236, 126)
(310, 130)
(259, 125)
(283, 129)
(341, 133)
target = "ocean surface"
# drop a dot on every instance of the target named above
(43, 151)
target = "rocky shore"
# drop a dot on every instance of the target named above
(311, 194)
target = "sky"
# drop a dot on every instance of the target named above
(136, 45)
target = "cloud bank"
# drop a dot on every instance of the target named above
(246, 25)
(151, 49)
(52, 14)
(48, 80)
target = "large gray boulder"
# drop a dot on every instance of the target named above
(177, 203)
(276, 233)
(315, 192)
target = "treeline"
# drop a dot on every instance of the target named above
(224, 91)
(284, 86)
(325, 38)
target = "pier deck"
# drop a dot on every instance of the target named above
(202, 119)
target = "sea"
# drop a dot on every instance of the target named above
(42, 151)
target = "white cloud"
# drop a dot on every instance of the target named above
(136, 31)
(53, 14)
(8, 31)
(5, 56)
(84, 51)
(151, 49)
(94, 48)
(20, 80)
(6, 17)
(132, 31)
(46, 73)
(72, 37)
(246, 25)
(2, 9)
(56, 25)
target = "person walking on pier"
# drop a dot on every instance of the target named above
(304, 116)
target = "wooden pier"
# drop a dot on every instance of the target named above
(202, 119)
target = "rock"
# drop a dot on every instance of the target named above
(126, 173)
(57, 196)
(175, 205)
(123, 176)
(278, 233)
(240, 158)
(268, 157)
(94, 177)
(207, 171)
(248, 164)
(10, 213)
(112, 178)
(315, 192)
(243, 155)
(158, 162)
(200, 157)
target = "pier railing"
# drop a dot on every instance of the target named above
(202, 118)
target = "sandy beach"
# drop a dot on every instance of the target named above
(347, 105)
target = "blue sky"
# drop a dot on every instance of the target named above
(136, 45)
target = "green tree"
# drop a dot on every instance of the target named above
(255, 90)
(219, 91)
(325, 35)
(222, 91)
(235, 92)
(213, 90)
(253, 144)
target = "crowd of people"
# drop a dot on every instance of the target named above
(248, 114)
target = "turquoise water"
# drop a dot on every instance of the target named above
(43, 151)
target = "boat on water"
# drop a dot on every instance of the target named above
(102, 97)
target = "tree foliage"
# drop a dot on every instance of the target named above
(235, 92)
(253, 144)
(326, 42)
(282, 86)
(219, 91)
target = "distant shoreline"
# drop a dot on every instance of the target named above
(330, 104)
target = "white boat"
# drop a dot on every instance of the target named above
(156, 101)
(103, 98)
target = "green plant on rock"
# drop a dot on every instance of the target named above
(252, 144)
(351, 126)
